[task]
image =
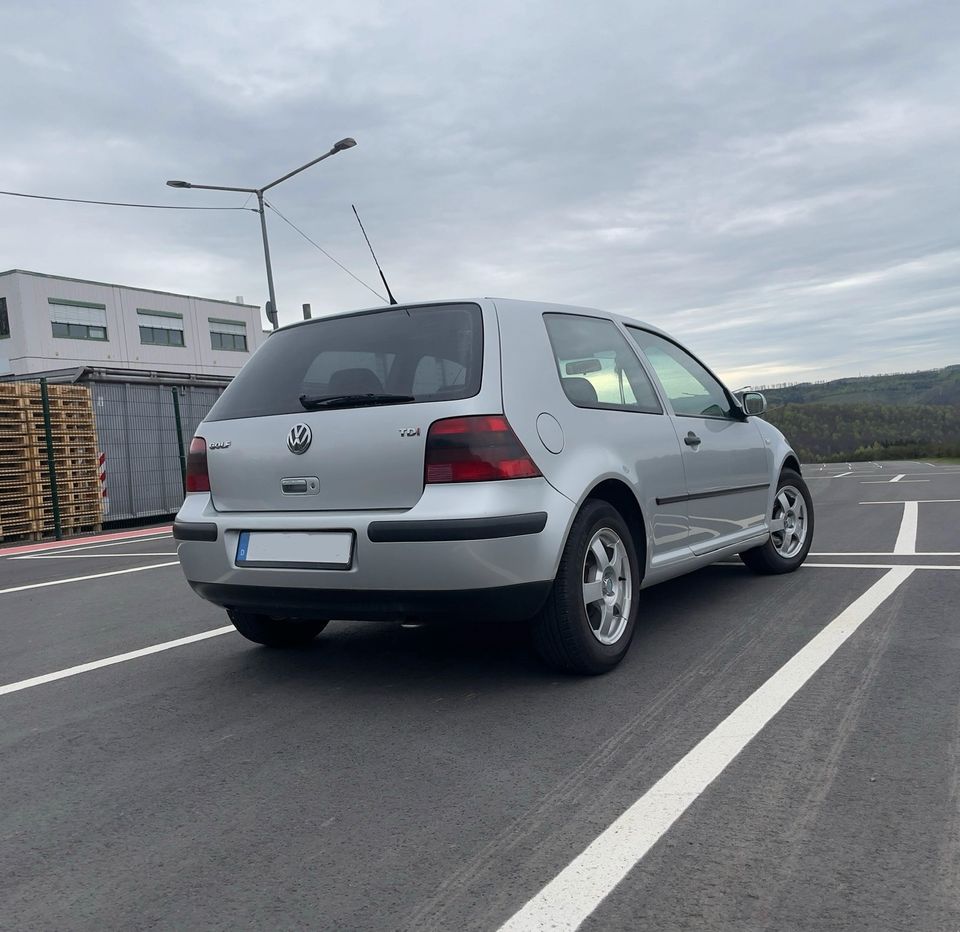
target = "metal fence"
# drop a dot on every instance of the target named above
(143, 426)
(143, 446)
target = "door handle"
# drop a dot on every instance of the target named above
(691, 440)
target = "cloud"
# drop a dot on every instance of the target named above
(263, 58)
(772, 183)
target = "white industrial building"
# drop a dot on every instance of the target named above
(48, 322)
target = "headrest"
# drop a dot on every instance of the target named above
(580, 390)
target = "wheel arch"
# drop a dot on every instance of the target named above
(790, 461)
(619, 495)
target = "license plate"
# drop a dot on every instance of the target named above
(310, 549)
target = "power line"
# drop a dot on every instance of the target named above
(80, 200)
(318, 246)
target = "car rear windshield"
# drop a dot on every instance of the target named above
(427, 353)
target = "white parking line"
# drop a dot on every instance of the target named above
(859, 566)
(92, 556)
(881, 553)
(567, 900)
(921, 501)
(898, 478)
(877, 481)
(840, 475)
(881, 566)
(62, 582)
(907, 538)
(926, 472)
(109, 661)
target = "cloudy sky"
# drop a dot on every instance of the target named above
(777, 184)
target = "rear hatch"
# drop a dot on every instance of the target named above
(333, 414)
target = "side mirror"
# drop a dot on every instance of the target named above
(753, 403)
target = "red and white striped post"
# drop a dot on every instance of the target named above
(102, 461)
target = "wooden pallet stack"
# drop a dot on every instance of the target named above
(26, 499)
(16, 489)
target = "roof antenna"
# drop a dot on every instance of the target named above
(383, 278)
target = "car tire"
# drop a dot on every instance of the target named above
(786, 549)
(574, 632)
(275, 632)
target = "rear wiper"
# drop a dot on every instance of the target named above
(351, 401)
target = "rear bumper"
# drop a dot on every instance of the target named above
(384, 532)
(488, 549)
(507, 603)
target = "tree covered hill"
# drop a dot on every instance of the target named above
(822, 432)
(929, 387)
(902, 416)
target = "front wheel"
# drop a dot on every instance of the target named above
(791, 529)
(589, 617)
(275, 632)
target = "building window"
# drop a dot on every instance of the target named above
(78, 320)
(4, 319)
(160, 328)
(228, 335)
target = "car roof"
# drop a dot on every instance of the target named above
(507, 306)
(516, 306)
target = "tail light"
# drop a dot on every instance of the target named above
(198, 479)
(476, 449)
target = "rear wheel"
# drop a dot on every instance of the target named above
(589, 617)
(791, 529)
(275, 632)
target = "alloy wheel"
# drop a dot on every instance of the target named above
(789, 523)
(607, 586)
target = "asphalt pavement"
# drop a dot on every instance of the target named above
(774, 753)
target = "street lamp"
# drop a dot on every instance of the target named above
(347, 143)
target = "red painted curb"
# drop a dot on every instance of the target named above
(59, 544)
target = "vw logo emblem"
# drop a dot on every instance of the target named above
(298, 440)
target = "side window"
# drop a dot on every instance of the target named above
(692, 390)
(597, 366)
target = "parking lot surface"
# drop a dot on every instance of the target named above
(774, 752)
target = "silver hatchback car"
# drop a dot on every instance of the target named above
(485, 458)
